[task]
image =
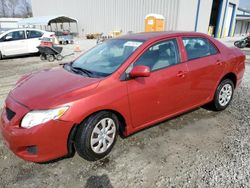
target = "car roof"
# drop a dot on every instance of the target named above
(155, 35)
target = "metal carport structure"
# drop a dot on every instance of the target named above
(47, 21)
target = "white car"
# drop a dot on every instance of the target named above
(21, 41)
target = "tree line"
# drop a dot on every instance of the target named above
(15, 8)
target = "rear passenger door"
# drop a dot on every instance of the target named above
(205, 66)
(33, 41)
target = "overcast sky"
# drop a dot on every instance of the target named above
(245, 3)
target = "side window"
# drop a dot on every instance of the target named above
(15, 35)
(197, 47)
(160, 55)
(33, 34)
(213, 50)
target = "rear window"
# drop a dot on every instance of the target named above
(197, 47)
(33, 34)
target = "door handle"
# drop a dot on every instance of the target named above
(218, 62)
(180, 74)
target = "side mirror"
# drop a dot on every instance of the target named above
(140, 71)
(7, 38)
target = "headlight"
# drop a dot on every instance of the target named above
(37, 117)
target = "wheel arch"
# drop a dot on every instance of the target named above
(71, 137)
(232, 76)
(121, 118)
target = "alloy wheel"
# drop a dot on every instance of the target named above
(103, 135)
(225, 94)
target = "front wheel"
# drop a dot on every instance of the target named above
(223, 95)
(97, 135)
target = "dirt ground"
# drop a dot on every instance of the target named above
(198, 149)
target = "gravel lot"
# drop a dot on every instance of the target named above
(198, 149)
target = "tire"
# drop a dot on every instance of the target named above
(42, 57)
(59, 57)
(223, 95)
(1, 57)
(88, 143)
(50, 58)
(236, 43)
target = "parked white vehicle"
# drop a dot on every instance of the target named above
(21, 41)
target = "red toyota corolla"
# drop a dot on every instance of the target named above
(118, 87)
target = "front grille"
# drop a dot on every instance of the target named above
(10, 114)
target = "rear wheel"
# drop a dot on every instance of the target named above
(50, 58)
(59, 57)
(96, 136)
(223, 95)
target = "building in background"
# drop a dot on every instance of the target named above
(216, 17)
(9, 23)
(242, 22)
(222, 18)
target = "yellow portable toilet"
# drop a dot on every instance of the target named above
(154, 22)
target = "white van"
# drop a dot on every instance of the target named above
(21, 41)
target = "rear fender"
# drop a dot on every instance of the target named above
(239, 65)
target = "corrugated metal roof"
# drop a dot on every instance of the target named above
(9, 19)
(46, 20)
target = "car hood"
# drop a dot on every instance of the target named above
(52, 87)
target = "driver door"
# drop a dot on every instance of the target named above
(14, 43)
(161, 94)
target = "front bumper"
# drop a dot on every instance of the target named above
(41, 143)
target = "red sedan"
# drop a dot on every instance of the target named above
(118, 87)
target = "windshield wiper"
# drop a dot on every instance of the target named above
(81, 71)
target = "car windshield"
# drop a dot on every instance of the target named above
(105, 58)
